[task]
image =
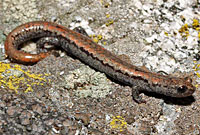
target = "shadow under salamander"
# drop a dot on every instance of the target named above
(172, 100)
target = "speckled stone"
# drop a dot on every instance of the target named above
(142, 30)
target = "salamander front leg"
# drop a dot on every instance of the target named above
(136, 95)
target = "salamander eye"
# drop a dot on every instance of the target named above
(182, 89)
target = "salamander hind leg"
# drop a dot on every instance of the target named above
(136, 95)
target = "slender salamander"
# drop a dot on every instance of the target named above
(97, 57)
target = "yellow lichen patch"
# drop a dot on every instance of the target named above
(197, 70)
(104, 3)
(118, 122)
(96, 38)
(109, 22)
(104, 43)
(107, 15)
(15, 77)
(184, 31)
(166, 33)
(195, 24)
(196, 66)
(198, 75)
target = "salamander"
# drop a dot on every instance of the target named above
(96, 57)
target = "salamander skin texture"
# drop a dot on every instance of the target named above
(96, 57)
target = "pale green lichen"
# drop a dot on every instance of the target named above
(88, 83)
(20, 10)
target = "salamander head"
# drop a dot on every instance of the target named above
(183, 87)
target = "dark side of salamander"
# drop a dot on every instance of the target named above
(96, 57)
(139, 85)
